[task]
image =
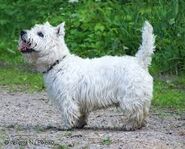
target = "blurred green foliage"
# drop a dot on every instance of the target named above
(99, 27)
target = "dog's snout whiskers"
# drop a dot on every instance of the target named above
(23, 39)
(29, 42)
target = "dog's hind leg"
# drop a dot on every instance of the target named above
(136, 112)
(82, 121)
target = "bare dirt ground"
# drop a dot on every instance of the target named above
(29, 121)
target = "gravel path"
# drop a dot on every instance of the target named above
(29, 121)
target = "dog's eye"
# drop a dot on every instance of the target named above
(40, 34)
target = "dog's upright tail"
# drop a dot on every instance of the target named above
(146, 49)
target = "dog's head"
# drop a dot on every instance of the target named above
(43, 44)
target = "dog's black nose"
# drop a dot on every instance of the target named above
(22, 33)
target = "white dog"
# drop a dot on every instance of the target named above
(78, 86)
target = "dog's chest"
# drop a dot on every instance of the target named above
(59, 83)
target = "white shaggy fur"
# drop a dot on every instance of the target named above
(78, 86)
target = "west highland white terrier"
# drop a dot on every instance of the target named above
(78, 86)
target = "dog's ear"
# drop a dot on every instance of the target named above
(47, 23)
(60, 29)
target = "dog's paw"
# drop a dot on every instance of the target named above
(131, 126)
(80, 125)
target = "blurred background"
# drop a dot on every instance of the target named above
(96, 28)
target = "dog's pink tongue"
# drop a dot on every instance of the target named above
(23, 46)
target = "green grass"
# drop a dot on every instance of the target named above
(3, 137)
(62, 146)
(106, 141)
(168, 92)
(20, 80)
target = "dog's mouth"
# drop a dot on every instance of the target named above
(25, 47)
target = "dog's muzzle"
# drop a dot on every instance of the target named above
(25, 45)
(22, 35)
